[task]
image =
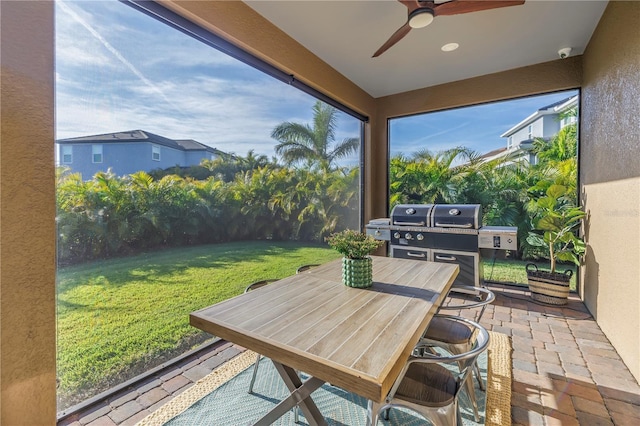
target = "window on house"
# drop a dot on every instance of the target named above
(67, 154)
(96, 153)
(510, 142)
(567, 120)
(216, 219)
(530, 132)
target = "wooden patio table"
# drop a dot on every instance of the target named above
(356, 339)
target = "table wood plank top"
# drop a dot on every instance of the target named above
(357, 339)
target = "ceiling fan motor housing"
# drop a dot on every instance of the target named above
(421, 17)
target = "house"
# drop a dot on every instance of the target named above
(129, 152)
(607, 72)
(545, 123)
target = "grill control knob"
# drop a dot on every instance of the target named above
(419, 237)
(396, 235)
(408, 236)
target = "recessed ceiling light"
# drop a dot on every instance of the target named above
(450, 47)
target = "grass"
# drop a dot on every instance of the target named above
(514, 272)
(120, 317)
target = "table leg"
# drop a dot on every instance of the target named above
(300, 396)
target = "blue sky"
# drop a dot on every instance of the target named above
(118, 70)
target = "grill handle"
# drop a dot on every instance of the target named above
(447, 258)
(397, 222)
(455, 225)
(420, 255)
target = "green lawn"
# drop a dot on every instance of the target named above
(514, 272)
(119, 317)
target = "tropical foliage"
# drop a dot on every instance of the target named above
(111, 215)
(353, 244)
(508, 190)
(555, 220)
(231, 198)
(255, 198)
(312, 145)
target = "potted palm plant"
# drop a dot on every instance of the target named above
(555, 222)
(355, 247)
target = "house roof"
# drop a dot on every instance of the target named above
(493, 153)
(193, 145)
(140, 136)
(554, 108)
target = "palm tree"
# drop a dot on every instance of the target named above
(427, 177)
(311, 145)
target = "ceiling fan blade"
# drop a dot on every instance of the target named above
(457, 7)
(396, 37)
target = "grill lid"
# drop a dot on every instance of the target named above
(411, 214)
(467, 216)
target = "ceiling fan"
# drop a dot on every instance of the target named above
(421, 13)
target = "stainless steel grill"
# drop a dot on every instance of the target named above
(450, 233)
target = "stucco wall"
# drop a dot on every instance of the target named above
(610, 177)
(27, 275)
(27, 226)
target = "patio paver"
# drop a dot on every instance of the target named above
(565, 371)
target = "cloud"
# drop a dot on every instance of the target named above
(222, 103)
(105, 43)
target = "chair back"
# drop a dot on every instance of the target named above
(473, 297)
(258, 284)
(460, 365)
(306, 267)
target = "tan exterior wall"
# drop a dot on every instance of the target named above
(27, 204)
(27, 207)
(610, 178)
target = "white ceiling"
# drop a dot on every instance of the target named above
(346, 33)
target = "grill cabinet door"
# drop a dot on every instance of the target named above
(470, 267)
(415, 253)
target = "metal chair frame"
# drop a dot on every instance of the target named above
(437, 414)
(306, 267)
(487, 298)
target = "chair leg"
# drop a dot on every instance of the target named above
(385, 414)
(372, 413)
(255, 373)
(471, 393)
(476, 370)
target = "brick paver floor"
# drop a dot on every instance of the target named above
(565, 371)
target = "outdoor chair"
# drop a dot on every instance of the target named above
(427, 386)
(456, 337)
(306, 267)
(254, 286)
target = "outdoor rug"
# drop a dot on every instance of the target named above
(221, 398)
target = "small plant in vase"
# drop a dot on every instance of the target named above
(356, 247)
(555, 223)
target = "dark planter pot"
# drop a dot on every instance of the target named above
(548, 287)
(357, 272)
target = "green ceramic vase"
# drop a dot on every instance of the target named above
(357, 272)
